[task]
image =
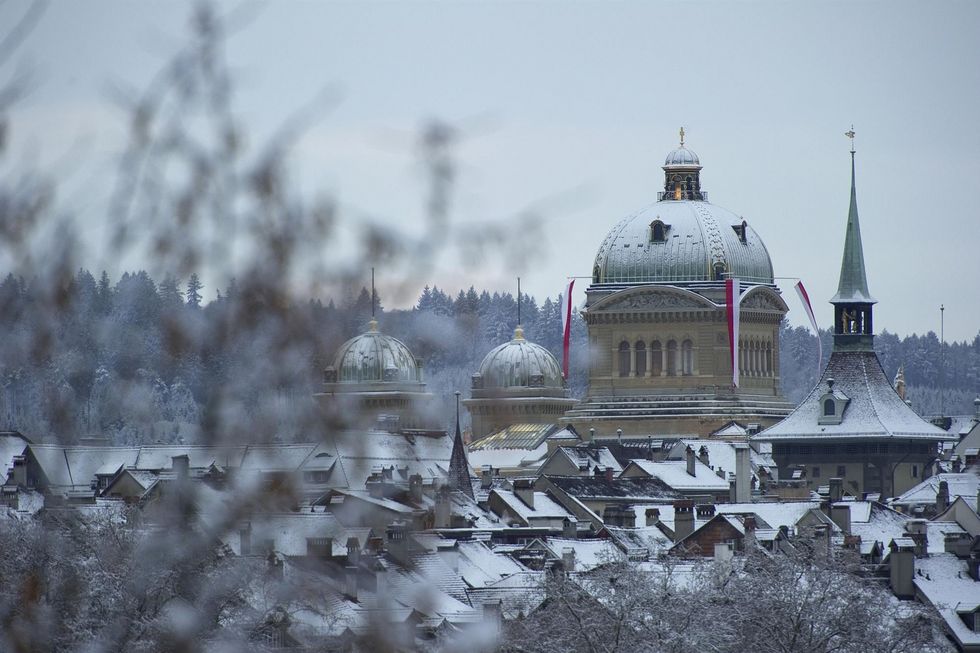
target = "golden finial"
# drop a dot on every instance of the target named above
(373, 326)
(682, 137)
(519, 333)
(850, 135)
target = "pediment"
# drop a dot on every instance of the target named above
(764, 299)
(645, 299)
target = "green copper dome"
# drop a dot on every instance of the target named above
(520, 364)
(374, 357)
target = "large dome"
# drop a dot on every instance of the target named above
(374, 357)
(680, 242)
(520, 364)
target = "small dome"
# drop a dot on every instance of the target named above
(373, 357)
(521, 364)
(681, 157)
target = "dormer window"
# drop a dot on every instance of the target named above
(658, 231)
(833, 403)
(741, 230)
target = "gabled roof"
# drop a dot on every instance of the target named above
(875, 410)
(963, 484)
(674, 474)
(631, 489)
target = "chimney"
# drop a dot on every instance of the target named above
(353, 551)
(486, 477)
(942, 497)
(705, 511)
(720, 473)
(916, 530)
(840, 514)
(973, 565)
(350, 583)
(380, 579)
(443, 508)
(568, 559)
(627, 516)
(732, 494)
(449, 554)
(703, 456)
(569, 528)
(375, 486)
(524, 490)
(683, 519)
(19, 475)
(836, 489)
(750, 524)
(976, 408)
(957, 465)
(398, 542)
(181, 465)
(691, 460)
(415, 487)
(619, 436)
(743, 473)
(653, 516)
(901, 563)
(609, 473)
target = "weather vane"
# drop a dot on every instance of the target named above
(850, 135)
(682, 137)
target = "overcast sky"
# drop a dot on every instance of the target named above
(573, 107)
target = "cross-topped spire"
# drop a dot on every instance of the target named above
(682, 137)
(850, 135)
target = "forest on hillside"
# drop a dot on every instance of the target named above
(136, 360)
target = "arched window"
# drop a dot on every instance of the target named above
(768, 358)
(671, 358)
(829, 407)
(624, 358)
(657, 358)
(687, 357)
(641, 358)
(658, 231)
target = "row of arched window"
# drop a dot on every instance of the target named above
(656, 360)
(755, 358)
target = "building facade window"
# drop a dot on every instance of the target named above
(624, 358)
(641, 358)
(671, 358)
(841, 471)
(656, 358)
(687, 357)
(829, 407)
(815, 472)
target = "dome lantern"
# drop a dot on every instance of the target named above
(682, 175)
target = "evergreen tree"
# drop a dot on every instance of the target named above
(194, 287)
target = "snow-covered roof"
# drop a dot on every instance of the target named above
(509, 459)
(587, 457)
(963, 484)
(481, 566)
(544, 506)
(882, 525)
(775, 514)
(589, 553)
(874, 411)
(594, 488)
(945, 583)
(674, 474)
(721, 454)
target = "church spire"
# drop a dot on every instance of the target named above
(459, 468)
(853, 301)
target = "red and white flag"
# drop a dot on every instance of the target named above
(733, 295)
(805, 300)
(566, 325)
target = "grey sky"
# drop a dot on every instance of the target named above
(585, 99)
